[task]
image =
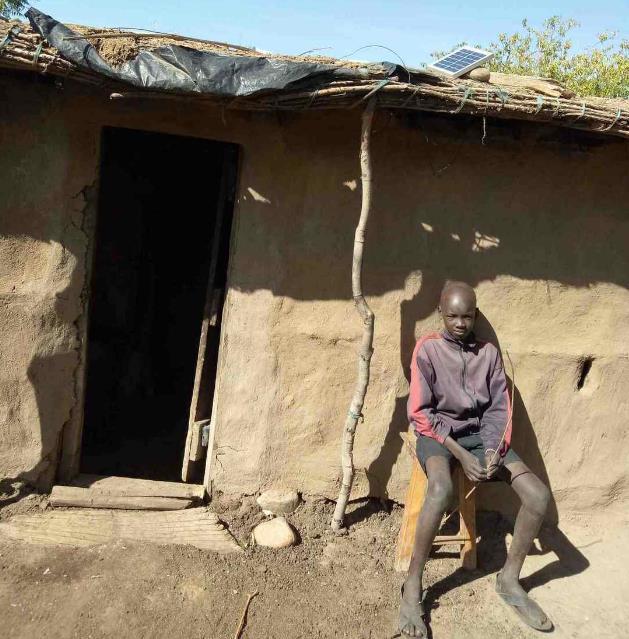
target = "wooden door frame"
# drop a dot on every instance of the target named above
(194, 451)
(71, 434)
(209, 451)
(68, 451)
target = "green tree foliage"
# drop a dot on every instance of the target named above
(12, 8)
(601, 69)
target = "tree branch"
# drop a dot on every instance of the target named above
(367, 318)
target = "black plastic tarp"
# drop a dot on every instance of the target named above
(183, 69)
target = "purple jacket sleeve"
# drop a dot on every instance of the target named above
(497, 414)
(421, 404)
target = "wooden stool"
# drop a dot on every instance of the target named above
(466, 537)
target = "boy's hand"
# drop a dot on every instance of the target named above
(492, 463)
(472, 467)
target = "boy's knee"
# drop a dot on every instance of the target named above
(440, 491)
(539, 499)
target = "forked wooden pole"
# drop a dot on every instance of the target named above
(367, 318)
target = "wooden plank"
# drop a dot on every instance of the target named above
(87, 498)
(202, 391)
(442, 540)
(111, 485)
(465, 538)
(467, 525)
(197, 527)
(412, 506)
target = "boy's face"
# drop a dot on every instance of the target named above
(458, 312)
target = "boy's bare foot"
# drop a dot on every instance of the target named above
(412, 610)
(518, 600)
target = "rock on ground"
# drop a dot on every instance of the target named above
(275, 533)
(278, 501)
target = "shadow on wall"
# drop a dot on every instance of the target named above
(49, 377)
(524, 437)
(534, 203)
(53, 379)
(446, 206)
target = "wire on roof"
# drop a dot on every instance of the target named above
(367, 46)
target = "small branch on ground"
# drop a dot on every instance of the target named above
(241, 625)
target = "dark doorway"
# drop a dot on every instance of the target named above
(160, 197)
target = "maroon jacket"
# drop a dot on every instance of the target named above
(456, 385)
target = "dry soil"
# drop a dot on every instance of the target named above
(326, 586)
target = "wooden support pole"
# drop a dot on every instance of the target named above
(367, 318)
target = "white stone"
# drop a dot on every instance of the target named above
(278, 501)
(276, 533)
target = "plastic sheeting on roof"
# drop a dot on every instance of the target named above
(180, 68)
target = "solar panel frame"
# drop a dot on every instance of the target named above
(460, 61)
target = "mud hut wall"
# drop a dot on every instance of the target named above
(47, 171)
(536, 221)
(534, 218)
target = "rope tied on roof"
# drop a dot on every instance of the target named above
(469, 91)
(313, 97)
(502, 94)
(540, 104)
(582, 111)
(608, 128)
(410, 97)
(13, 31)
(373, 91)
(37, 53)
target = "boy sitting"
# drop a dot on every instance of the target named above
(460, 406)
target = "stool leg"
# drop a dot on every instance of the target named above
(412, 506)
(467, 526)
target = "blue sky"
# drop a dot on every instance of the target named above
(413, 29)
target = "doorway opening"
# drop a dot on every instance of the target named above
(161, 251)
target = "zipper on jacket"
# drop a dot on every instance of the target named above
(463, 383)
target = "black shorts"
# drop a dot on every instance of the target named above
(428, 447)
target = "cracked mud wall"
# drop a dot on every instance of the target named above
(535, 219)
(46, 167)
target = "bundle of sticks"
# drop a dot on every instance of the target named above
(21, 47)
(466, 97)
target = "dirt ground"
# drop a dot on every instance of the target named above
(326, 586)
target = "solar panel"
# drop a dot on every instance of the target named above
(460, 61)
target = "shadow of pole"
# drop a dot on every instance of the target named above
(421, 305)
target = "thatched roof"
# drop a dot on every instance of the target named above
(346, 84)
